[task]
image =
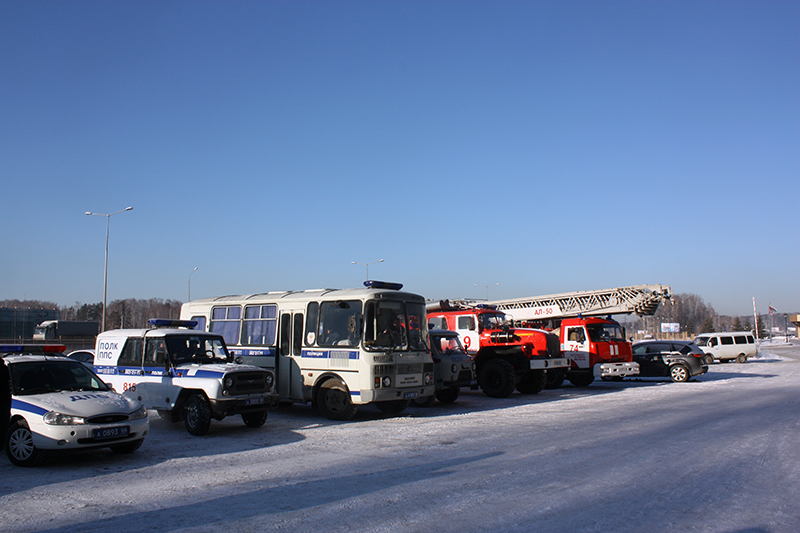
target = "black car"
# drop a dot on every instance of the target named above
(678, 360)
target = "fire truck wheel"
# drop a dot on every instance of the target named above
(448, 395)
(532, 382)
(393, 407)
(198, 415)
(497, 378)
(425, 401)
(679, 373)
(580, 379)
(333, 401)
(555, 378)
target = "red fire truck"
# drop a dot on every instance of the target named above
(506, 358)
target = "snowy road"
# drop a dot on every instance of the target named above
(718, 454)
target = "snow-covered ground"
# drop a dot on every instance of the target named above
(720, 453)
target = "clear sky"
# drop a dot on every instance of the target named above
(548, 146)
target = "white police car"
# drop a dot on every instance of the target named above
(59, 404)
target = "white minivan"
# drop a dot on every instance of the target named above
(727, 346)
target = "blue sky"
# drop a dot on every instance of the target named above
(545, 146)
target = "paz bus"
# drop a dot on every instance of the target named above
(336, 348)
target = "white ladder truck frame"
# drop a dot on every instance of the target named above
(640, 300)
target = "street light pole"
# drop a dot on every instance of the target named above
(366, 265)
(487, 289)
(190, 284)
(105, 263)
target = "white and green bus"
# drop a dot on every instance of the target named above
(337, 348)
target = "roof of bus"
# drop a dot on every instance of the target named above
(328, 294)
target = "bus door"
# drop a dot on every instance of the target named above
(290, 343)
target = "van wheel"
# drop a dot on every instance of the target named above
(198, 415)
(679, 373)
(333, 401)
(255, 420)
(741, 358)
(19, 445)
(708, 359)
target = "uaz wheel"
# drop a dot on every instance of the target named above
(448, 395)
(198, 415)
(255, 420)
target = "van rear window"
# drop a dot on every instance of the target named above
(741, 339)
(726, 340)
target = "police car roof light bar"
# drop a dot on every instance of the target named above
(32, 348)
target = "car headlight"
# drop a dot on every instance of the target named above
(428, 379)
(58, 419)
(139, 413)
(387, 381)
(229, 382)
(270, 380)
(454, 369)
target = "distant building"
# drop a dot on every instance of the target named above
(19, 323)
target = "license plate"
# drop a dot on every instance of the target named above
(111, 433)
(410, 395)
(254, 401)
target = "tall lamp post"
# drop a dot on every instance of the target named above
(105, 264)
(367, 265)
(190, 284)
(487, 289)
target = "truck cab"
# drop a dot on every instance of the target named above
(596, 347)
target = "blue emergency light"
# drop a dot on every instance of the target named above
(170, 323)
(374, 284)
(32, 348)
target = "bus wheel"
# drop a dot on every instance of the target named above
(198, 415)
(448, 395)
(333, 400)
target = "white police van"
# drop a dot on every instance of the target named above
(59, 404)
(184, 374)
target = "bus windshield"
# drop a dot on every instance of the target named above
(395, 325)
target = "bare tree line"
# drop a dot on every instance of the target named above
(128, 313)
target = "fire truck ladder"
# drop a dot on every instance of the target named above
(638, 299)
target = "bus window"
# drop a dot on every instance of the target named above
(339, 323)
(259, 325)
(312, 312)
(225, 321)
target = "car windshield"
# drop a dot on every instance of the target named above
(196, 349)
(605, 332)
(700, 341)
(40, 377)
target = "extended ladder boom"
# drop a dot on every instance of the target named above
(638, 299)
